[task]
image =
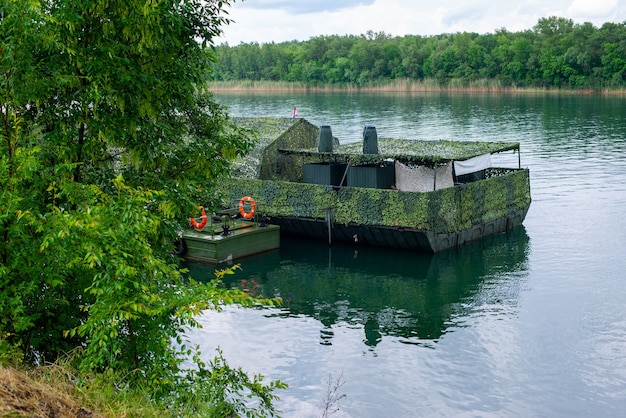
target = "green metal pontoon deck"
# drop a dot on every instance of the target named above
(228, 240)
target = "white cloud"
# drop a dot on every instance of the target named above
(593, 8)
(303, 6)
(281, 20)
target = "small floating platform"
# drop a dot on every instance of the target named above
(244, 238)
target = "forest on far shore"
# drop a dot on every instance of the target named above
(555, 54)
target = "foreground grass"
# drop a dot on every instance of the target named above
(22, 394)
(59, 391)
(55, 391)
(52, 391)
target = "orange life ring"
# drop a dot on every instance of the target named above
(203, 219)
(242, 210)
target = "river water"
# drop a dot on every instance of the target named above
(530, 323)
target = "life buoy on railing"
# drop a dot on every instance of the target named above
(242, 210)
(203, 219)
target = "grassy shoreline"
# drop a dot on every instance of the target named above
(53, 391)
(398, 86)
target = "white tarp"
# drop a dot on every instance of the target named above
(472, 165)
(422, 179)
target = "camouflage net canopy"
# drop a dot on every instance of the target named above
(284, 144)
(272, 174)
(422, 152)
(407, 151)
(272, 134)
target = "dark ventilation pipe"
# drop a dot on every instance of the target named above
(370, 140)
(325, 139)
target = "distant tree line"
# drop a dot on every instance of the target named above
(555, 53)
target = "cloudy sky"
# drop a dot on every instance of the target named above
(277, 21)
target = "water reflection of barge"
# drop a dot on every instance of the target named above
(420, 195)
(413, 296)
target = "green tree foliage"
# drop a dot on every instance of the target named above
(107, 143)
(556, 53)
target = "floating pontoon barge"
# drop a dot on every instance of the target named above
(428, 195)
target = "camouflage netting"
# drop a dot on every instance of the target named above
(272, 175)
(285, 144)
(444, 210)
(429, 153)
(280, 198)
(408, 152)
(272, 134)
